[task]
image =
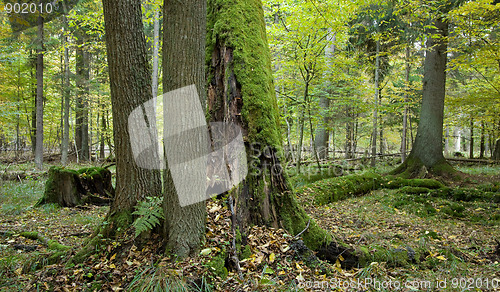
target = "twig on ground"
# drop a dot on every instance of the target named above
(300, 233)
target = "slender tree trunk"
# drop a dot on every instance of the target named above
(66, 91)
(375, 108)
(322, 133)
(34, 96)
(482, 143)
(458, 140)
(156, 49)
(314, 150)
(289, 139)
(81, 109)
(471, 145)
(127, 60)
(301, 133)
(447, 142)
(184, 65)
(102, 153)
(405, 113)
(39, 97)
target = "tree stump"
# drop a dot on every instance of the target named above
(70, 188)
(496, 153)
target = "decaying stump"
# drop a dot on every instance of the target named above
(70, 188)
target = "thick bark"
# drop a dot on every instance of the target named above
(39, 97)
(246, 97)
(428, 147)
(183, 65)
(130, 82)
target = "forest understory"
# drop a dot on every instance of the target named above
(406, 237)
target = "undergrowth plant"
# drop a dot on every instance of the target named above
(148, 212)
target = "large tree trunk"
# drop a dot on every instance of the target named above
(241, 91)
(428, 147)
(39, 97)
(127, 62)
(184, 65)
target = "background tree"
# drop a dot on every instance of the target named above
(427, 150)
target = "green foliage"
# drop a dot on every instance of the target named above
(149, 213)
(217, 266)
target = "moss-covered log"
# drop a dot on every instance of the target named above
(49, 243)
(340, 188)
(70, 188)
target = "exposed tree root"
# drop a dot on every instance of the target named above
(413, 167)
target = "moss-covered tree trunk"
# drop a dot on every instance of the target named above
(427, 151)
(130, 82)
(241, 91)
(183, 65)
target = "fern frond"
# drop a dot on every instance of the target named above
(148, 212)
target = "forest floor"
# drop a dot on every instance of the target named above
(460, 239)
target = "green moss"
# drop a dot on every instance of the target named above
(340, 188)
(91, 247)
(91, 171)
(413, 190)
(30, 235)
(51, 244)
(394, 257)
(246, 252)
(56, 257)
(240, 25)
(295, 220)
(54, 245)
(217, 266)
(398, 182)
